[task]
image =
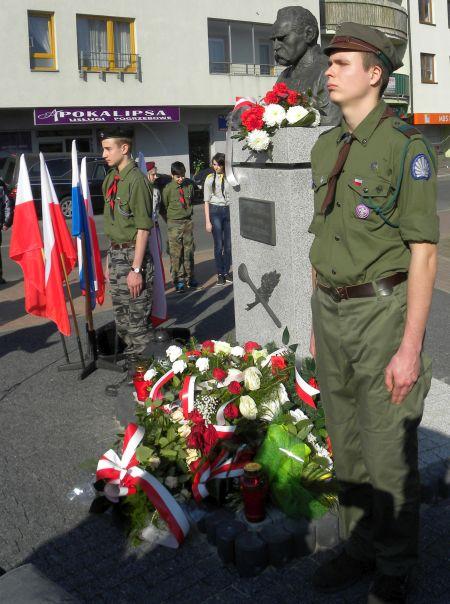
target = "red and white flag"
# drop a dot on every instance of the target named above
(305, 391)
(26, 244)
(55, 300)
(99, 278)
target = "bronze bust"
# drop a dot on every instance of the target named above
(294, 35)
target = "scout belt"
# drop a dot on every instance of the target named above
(381, 287)
(122, 246)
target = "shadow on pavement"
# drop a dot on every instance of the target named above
(28, 339)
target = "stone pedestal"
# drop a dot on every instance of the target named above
(271, 211)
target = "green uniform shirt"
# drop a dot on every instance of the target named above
(172, 203)
(353, 245)
(132, 207)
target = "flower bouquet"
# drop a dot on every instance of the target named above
(209, 410)
(280, 108)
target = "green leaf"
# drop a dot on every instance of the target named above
(169, 453)
(285, 337)
(163, 441)
(143, 453)
(176, 381)
(169, 396)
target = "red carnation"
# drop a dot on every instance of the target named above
(196, 417)
(250, 346)
(195, 440)
(208, 346)
(278, 363)
(210, 437)
(252, 118)
(271, 97)
(231, 411)
(219, 374)
(293, 97)
(193, 353)
(281, 89)
(312, 382)
(234, 387)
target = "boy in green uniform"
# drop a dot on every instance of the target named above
(177, 198)
(129, 268)
(374, 265)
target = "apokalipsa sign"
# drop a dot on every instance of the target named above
(48, 116)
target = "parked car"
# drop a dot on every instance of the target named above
(200, 177)
(60, 168)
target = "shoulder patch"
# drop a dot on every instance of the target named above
(420, 167)
(405, 129)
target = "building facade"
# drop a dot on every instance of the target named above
(170, 70)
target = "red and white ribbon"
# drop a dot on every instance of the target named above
(155, 391)
(305, 391)
(186, 395)
(222, 467)
(221, 427)
(278, 353)
(123, 476)
(240, 103)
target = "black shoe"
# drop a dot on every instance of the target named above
(340, 572)
(193, 284)
(388, 589)
(2, 281)
(229, 277)
(220, 280)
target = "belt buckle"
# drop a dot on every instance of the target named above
(336, 294)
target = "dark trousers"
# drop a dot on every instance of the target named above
(220, 220)
(1, 264)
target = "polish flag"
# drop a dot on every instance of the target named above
(305, 391)
(56, 302)
(26, 245)
(99, 278)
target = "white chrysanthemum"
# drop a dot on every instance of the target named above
(234, 375)
(174, 352)
(298, 415)
(258, 140)
(295, 114)
(259, 354)
(252, 378)
(247, 407)
(149, 374)
(282, 394)
(270, 410)
(179, 366)
(316, 121)
(202, 364)
(237, 351)
(274, 114)
(220, 346)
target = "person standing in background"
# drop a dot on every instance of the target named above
(6, 219)
(217, 217)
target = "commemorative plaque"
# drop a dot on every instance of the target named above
(257, 220)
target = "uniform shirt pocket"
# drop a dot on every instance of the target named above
(371, 200)
(123, 207)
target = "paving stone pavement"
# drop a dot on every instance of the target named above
(53, 429)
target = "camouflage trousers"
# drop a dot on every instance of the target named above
(180, 236)
(132, 315)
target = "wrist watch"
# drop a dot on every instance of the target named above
(137, 270)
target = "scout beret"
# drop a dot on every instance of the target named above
(150, 165)
(115, 132)
(354, 36)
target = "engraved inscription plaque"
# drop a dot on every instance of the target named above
(257, 220)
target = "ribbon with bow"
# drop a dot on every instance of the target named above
(305, 391)
(122, 476)
(240, 103)
(222, 467)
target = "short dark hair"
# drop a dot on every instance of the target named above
(370, 59)
(177, 169)
(301, 18)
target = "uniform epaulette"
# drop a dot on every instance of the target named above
(406, 129)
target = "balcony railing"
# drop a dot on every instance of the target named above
(398, 87)
(109, 62)
(244, 69)
(383, 14)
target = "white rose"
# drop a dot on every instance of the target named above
(174, 352)
(150, 374)
(317, 119)
(270, 410)
(298, 415)
(202, 364)
(282, 394)
(192, 455)
(177, 415)
(184, 431)
(154, 462)
(258, 140)
(179, 366)
(259, 354)
(237, 351)
(252, 378)
(247, 407)
(295, 114)
(171, 482)
(274, 114)
(223, 347)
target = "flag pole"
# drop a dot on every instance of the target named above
(87, 305)
(74, 316)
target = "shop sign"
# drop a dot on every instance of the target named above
(442, 119)
(49, 116)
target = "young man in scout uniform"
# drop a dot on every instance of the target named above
(177, 198)
(374, 265)
(128, 210)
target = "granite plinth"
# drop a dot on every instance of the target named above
(284, 179)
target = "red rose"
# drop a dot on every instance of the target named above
(271, 97)
(195, 440)
(231, 411)
(234, 388)
(210, 437)
(293, 97)
(193, 353)
(196, 417)
(278, 363)
(250, 346)
(252, 118)
(208, 346)
(312, 382)
(281, 89)
(219, 374)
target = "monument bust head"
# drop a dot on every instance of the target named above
(294, 31)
